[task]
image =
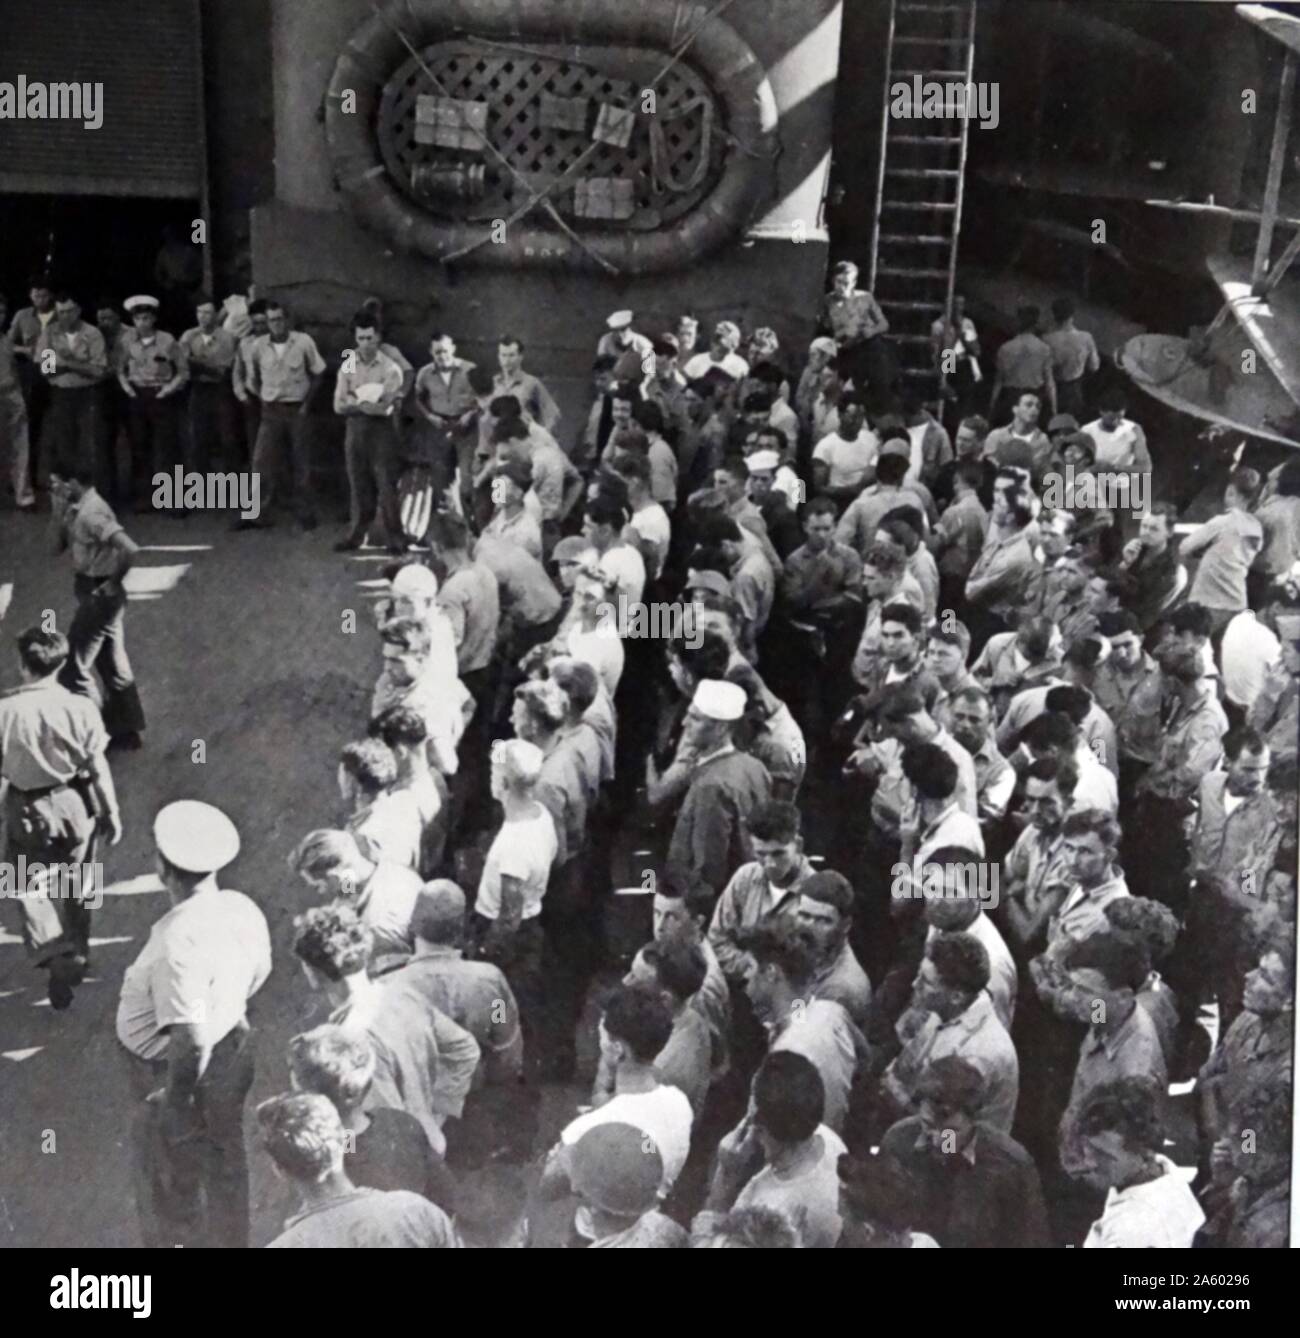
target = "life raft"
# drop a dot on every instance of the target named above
(711, 202)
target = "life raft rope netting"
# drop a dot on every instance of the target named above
(420, 164)
(671, 158)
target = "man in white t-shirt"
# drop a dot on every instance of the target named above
(634, 1028)
(519, 861)
(603, 523)
(1113, 1145)
(721, 354)
(843, 460)
(1120, 443)
(649, 528)
(782, 1157)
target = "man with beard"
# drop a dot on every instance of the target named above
(825, 911)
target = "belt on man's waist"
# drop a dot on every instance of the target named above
(147, 390)
(282, 404)
(159, 1062)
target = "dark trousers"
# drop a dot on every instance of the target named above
(571, 952)
(1069, 398)
(70, 434)
(53, 826)
(112, 423)
(194, 1191)
(97, 644)
(469, 803)
(870, 365)
(282, 439)
(1154, 853)
(370, 449)
(214, 433)
(250, 413)
(153, 425)
(521, 962)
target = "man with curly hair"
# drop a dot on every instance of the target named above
(1113, 1145)
(424, 1062)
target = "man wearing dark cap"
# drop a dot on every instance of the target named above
(183, 1019)
(615, 1171)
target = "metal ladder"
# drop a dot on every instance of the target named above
(920, 184)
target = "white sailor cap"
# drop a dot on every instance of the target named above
(141, 302)
(415, 580)
(719, 700)
(194, 836)
(619, 320)
(762, 460)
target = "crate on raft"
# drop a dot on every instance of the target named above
(604, 197)
(450, 123)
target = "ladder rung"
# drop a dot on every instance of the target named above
(911, 272)
(909, 305)
(930, 41)
(909, 338)
(922, 172)
(930, 9)
(925, 139)
(918, 373)
(934, 74)
(918, 204)
(924, 239)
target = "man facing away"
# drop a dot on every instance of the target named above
(102, 554)
(306, 1142)
(183, 1019)
(57, 790)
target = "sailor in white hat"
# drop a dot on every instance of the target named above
(710, 839)
(621, 339)
(415, 595)
(182, 1015)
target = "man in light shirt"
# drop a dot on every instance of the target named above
(635, 1026)
(842, 461)
(183, 1019)
(285, 372)
(533, 396)
(424, 1062)
(366, 395)
(780, 989)
(70, 354)
(1114, 1146)
(213, 430)
(304, 1136)
(1226, 547)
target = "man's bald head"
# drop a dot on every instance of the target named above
(439, 914)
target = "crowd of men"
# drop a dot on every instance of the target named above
(941, 837)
